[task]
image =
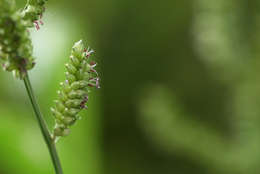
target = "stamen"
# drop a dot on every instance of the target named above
(93, 64)
(91, 85)
(83, 103)
(94, 71)
(97, 83)
(88, 52)
(37, 25)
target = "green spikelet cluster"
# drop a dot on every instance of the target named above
(73, 95)
(15, 44)
(32, 12)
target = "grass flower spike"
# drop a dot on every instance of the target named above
(15, 44)
(73, 95)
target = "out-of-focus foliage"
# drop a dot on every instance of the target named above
(180, 89)
(221, 33)
(222, 40)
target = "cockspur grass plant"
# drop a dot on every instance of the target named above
(16, 56)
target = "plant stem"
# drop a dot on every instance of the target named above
(44, 129)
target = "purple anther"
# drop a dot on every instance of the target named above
(83, 103)
(93, 64)
(37, 25)
(91, 85)
(88, 52)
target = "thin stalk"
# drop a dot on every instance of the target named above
(44, 129)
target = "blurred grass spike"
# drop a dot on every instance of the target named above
(15, 43)
(73, 95)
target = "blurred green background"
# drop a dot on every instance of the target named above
(180, 89)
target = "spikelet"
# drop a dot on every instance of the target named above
(73, 95)
(15, 44)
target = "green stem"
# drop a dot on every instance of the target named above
(44, 129)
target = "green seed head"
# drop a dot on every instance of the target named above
(73, 95)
